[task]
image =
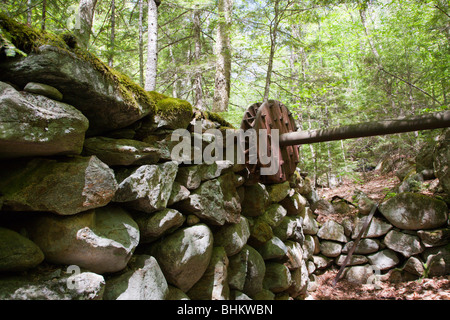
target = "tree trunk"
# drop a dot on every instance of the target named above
(198, 101)
(86, 12)
(273, 43)
(113, 34)
(29, 12)
(152, 52)
(223, 63)
(141, 43)
(44, 14)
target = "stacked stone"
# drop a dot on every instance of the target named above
(111, 216)
(409, 239)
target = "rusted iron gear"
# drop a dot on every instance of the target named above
(271, 115)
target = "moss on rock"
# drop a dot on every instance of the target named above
(173, 113)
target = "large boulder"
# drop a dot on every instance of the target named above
(101, 240)
(216, 201)
(18, 253)
(147, 188)
(406, 244)
(185, 255)
(121, 152)
(233, 237)
(33, 125)
(442, 160)
(377, 227)
(143, 281)
(331, 230)
(64, 186)
(108, 99)
(277, 277)
(413, 211)
(256, 200)
(214, 283)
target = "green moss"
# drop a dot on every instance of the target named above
(217, 118)
(169, 107)
(29, 40)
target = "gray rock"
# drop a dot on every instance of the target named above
(290, 228)
(309, 247)
(441, 158)
(413, 211)
(434, 238)
(107, 103)
(310, 225)
(365, 204)
(216, 201)
(383, 260)
(53, 286)
(101, 240)
(32, 125)
(176, 294)
(299, 281)
(295, 204)
(18, 253)
(43, 90)
(233, 237)
(179, 193)
(322, 262)
(406, 244)
(215, 170)
(147, 188)
(365, 246)
(154, 226)
(356, 259)
(437, 260)
(330, 249)
(237, 270)
(332, 230)
(71, 185)
(415, 266)
(121, 152)
(184, 255)
(273, 215)
(144, 281)
(360, 274)
(214, 283)
(277, 277)
(294, 255)
(190, 177)
(377, 228)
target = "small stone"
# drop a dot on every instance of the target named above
(44, 90)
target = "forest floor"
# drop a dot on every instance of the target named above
(375, 186)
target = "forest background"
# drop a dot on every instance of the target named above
(330, 62)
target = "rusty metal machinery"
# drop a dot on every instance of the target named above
(272, 115)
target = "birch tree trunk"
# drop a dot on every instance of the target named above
(141, 43)
(113, 34)
(273, 43)
(198, 100)
(29, 13)
(223, 63)
(152, 52)
(86, 11)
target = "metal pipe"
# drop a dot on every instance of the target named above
(426, 122)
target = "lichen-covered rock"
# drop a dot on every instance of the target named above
(233, 237)
(273, 249)
(71, 185)
(434, 238)
(108, 99)
(310, 225)
(255, 272)
(158, 224)
(277, 277)
(331, 230)
(185, 255)
(18, 253)
(294, 255)
(273, 215)
(413, 211)
(290, 228)
(121, 152)
(360, 274)
(214, 283)
(441, 160)
(33, 125)
(294, 204)
(147, 188)
(43, 90)
(101, 240)
(179, 193)
(383, 260)
(330, 249)
(437, 260)
(173, 113)
(143, 281)
(216, 201)
(365, 246)
(406, 244)
(256, 200)
(377, 228)
(278, 192)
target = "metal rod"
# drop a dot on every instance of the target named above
(426, 122)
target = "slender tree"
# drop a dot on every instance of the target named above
(86, 12)
(198, 100)
(223, 62)
(141, 43)
(152, 52)
(113, 34)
